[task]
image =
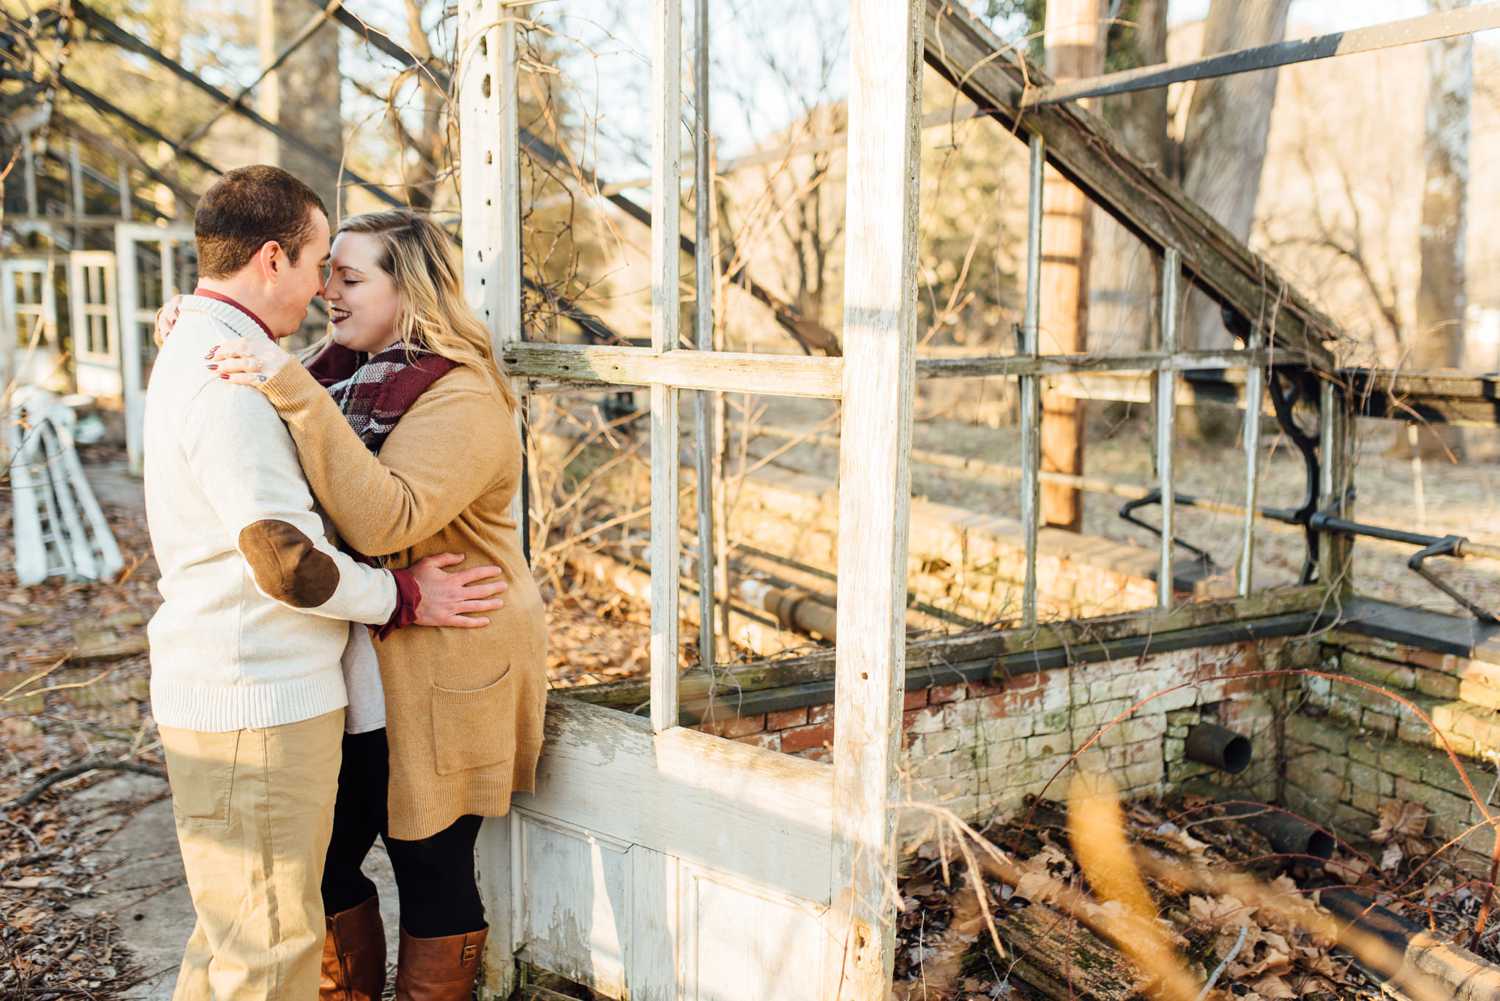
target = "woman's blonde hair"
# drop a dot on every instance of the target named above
(433, 315)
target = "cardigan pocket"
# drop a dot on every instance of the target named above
(474, 728)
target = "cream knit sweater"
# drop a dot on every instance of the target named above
(257, 600)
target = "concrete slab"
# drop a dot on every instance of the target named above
(142, 887)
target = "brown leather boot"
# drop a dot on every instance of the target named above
(354, 955)
(439, 969)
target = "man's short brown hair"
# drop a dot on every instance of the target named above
(248, 208)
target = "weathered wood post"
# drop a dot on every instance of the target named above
(490, 165)
(879, 340)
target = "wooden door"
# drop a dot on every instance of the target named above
(28, 320)
(92, 323)
(155, 263)
(671, 865)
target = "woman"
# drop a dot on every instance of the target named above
(412, 449)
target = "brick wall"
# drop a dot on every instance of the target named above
(1350, 748)
(963, 561)
(979, 749)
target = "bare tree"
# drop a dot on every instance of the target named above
(1438, 341)
(1224, 151)
(1122, 273)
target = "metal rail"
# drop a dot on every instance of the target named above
(1427, 28)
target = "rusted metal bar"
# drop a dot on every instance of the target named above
(1166, 412)
(1425, 28)
(1031, 397)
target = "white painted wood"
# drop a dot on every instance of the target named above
(93, 321)
(740, 933)
(656, 926)
(762, 816)
(879, 341)
(489, 173)
(122, 182)
(28, 319)
(726, 371)
(662, 861)
(137, 321)
(74, 536)
(573, 908)
(104, 550)
(705, 405)
(666, 296)
(32, 564)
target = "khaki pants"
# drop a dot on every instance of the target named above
(254, 810)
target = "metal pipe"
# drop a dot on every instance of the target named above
(1288, 833)
(1254, 380)
(1031, 411)
(1415, 961)
(1166, 411)
(1221, 747)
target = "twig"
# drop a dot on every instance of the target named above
(34, 793)
(24, 830)
(1213, 978)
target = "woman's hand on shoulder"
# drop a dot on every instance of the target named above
(166, 319)
(248, 361)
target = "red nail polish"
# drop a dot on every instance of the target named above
(223, 375)
(212, 367)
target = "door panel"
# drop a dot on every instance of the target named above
(642, 857)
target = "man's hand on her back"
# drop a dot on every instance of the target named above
(454, 599)
(166, 318)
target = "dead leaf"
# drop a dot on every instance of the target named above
(1272, 986)
(1347, 870)
(1399, 819)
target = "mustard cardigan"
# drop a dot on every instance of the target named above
(464, 707)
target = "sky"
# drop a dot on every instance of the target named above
(767, 62)
(772, 60)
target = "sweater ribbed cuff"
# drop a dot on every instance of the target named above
(408, 600)
(287, 389)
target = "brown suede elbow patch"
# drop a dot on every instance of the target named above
(287, 565)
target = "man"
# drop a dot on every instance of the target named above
(246, 683)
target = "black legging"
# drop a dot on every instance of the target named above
(434, 876)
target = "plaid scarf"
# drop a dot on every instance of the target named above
(380, 391)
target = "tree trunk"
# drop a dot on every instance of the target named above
(1224, 149)
(1122, 277)
(302, 96)
(1073, 50)
(421, 176)
(1438, 341)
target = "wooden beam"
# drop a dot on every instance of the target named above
(1002, 654)
(720, 371)
(1074, 49)
(1434, 397)
(885, 45)
(996, 76)
(1139, 361)
(491, 248)
(666, 293)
